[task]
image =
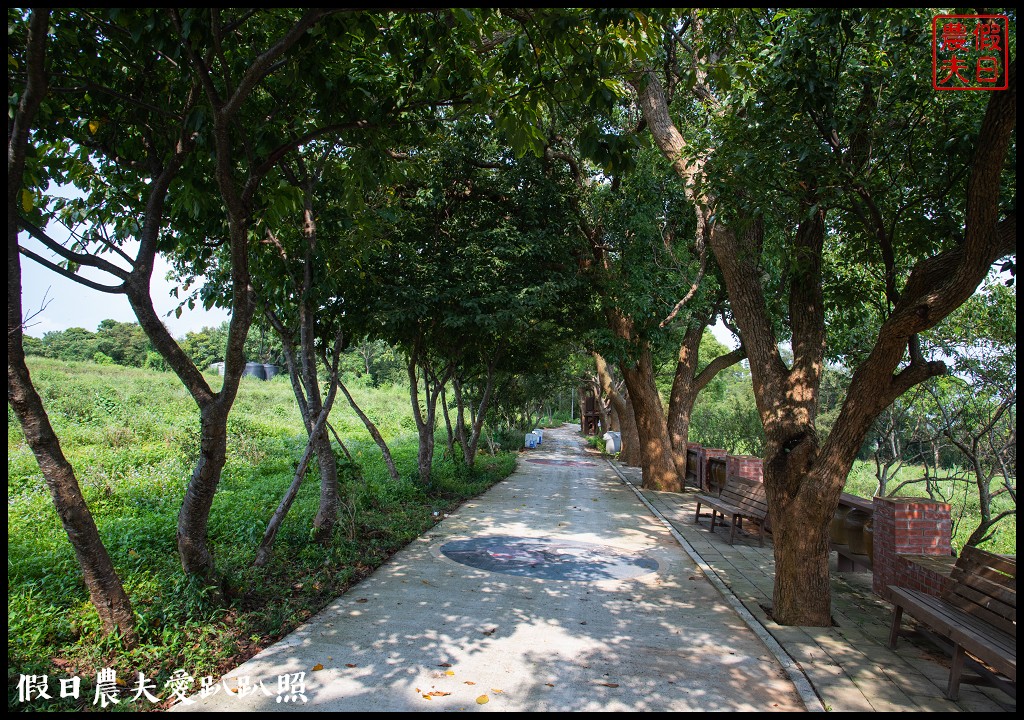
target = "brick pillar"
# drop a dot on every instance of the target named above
(906, 527)
(745, 466)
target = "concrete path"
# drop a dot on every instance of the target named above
(580, 600)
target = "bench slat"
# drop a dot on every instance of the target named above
(984, 607)
(739, 498)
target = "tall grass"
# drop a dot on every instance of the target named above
(132, 436)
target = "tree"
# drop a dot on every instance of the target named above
(73, 344)
(804, 85)
(105, 589)
(471, 277)
(124, 343)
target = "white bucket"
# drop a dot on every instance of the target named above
(530, 440)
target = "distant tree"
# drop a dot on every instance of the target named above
(72, 344)
(206, 346)
(124, 343)
(33, 346)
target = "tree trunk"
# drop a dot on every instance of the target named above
(802, 496)
(448, 423)
(659, 469)
(623, 409)
(471, 442)
(686, 385)
(194, 516)
(315, 432)
(425, 417)
(330, 498)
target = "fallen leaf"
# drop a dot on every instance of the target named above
(610, 684)
(549, 684)
(490, 632)
(482, 700)
(449, 672)
(444, 665)
(496, 691)
(438, 693)
(318, 666)
(468, 682)
(351, 665)
(362, 600)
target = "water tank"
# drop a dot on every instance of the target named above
(540, 435)
(269, 370)
(254, 370)
(531, 440)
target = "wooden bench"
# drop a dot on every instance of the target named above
(978, 615)
(740, 498)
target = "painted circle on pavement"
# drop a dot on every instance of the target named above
(548, 559)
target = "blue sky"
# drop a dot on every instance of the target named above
(69, 304)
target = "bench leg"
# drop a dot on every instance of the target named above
(894, 632)
(955, 671)
(696, 518)
(732, 528)
(714, 515)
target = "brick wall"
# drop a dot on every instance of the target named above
(905, 529)
(745, 466)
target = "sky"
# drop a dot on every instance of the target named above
(69, 304)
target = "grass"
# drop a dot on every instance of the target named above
(132, 436)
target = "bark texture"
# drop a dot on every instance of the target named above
(686, 385)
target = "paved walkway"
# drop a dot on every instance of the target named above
(565, 588)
